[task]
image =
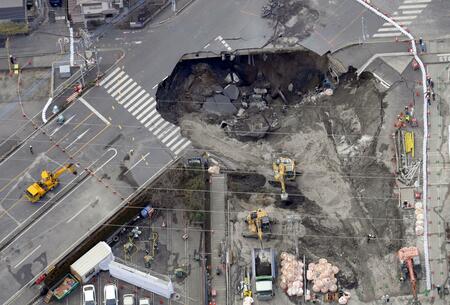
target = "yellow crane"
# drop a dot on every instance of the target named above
(258, 224)
(47, 183)
(284, 169)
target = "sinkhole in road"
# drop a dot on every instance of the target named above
(253, 108)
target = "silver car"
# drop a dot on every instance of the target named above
(89, 297)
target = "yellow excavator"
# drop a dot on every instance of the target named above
(283, 170)
(259, 224)
(47, 183)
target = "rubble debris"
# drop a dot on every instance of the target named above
(219, 105)
(232, 91)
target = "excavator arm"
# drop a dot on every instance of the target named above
(69, 167)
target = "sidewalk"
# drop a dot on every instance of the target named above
(218, 236)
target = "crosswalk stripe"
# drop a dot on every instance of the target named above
(134, 98)
(126, 97)
(400, 23)
(405, 18)
(173, 140)
(157, 131)
(113, 80)
(118, 83)
(138, 102)
(412, 12)
(123, 93)
(170, 135)
(165, 131)
(146, 110)
(387, 34)
(160, 121)
(416, 1)
(183, 147)
(388, 30)
(142, 106)
(119, 90)
(109, 76)
(410, 6)
(148, 116)
(178, 143)
(157, 116)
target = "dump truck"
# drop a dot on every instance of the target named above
(264, 272)
(63, 288)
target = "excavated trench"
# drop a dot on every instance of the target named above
(255, 107)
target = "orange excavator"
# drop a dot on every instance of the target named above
(409, 258)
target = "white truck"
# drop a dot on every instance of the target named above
(91, 262)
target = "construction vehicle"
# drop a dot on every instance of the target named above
(259, 224)
(245, 285)
(284, 170)
(263, 271)
(410, 264)
(47, 183)
(150, 255)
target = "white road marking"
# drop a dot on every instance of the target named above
(119, 90)
(139, 109)
(388, 30)
(405, 18)
(157, 116)
(412, 12)
(154, 87)
(173, 140)
(78, 213)
(109, 76)
(123, 93)
(77, 138)
(113, 80)
(382, 81)
(134, 165)
(94, 110)
(134, 98)
(178, 143)
(183, 147)
(218, 38)
(165, 77)
(148, 116)
(387, 34)
(416, 1)
(137, 42)
(160, 121)
(410, 6)
(26, 257)
(126, 97)
(206, 46)
(118, 83)
(170, 135)
(157, 131)
(400, 23)
(165, 131)
(143, 98)
(229, 48)
(145, 111)
(66, 122)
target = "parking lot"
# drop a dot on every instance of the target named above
(166, 228)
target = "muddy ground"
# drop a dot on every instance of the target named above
(344, 191)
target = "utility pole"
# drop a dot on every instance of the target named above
(9, 54)
(174, 5)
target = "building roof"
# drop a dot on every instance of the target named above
(11, 3)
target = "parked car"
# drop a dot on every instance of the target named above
(110, 295)
(55, 3)
(89, 297)
(128, 299)
(144, 301)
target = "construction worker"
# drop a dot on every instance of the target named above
(12, 60)
(31, 150)
(433, 95)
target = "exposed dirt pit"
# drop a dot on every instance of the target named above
(250, 110)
